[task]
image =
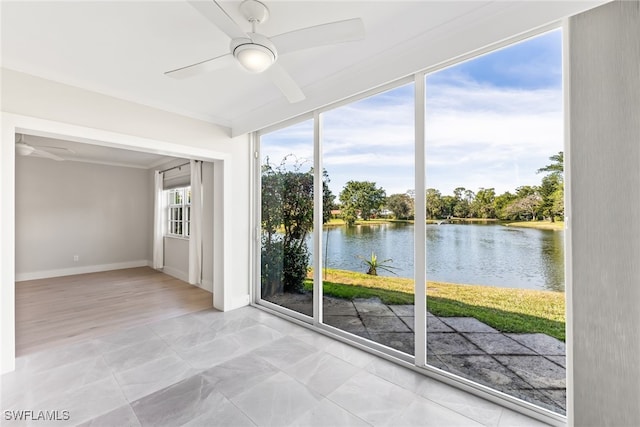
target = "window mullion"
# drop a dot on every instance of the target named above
(317, 218)
(420, 230)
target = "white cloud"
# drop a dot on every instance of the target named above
(477, 136)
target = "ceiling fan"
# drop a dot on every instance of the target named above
(258, 53)
(24, 149)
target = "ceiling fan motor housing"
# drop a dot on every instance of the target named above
(256, 54)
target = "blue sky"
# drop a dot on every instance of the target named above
(491, 122)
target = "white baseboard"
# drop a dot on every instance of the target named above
(45, 274)
(207, 285)
(178, 274)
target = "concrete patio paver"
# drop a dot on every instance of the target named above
(536, 370)
(560, 360)
(403, 341)
(402, 310)
(527, 366)
(541, 343)
(351, 324)
(467, 324)
(372, 307)
(484, 369)
(338, 307)
(451, 343)
(497, 343)
(436, 325)
(384, 324)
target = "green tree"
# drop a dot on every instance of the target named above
(483, 204)
(434, 203)
(501, 203)
(462, 196)
(287, 218)
(552, 188)
(556, 167)
(328, 198)
(549, 186)
(360, 197)
(448, 206)
(524, 208)
(558, 202)
(400, 205)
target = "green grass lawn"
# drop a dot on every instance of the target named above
(542, 225)
(505, 309)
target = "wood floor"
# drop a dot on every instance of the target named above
(63, 310)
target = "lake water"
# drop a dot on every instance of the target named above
(489, 254)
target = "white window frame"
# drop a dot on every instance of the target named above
(418, 361)
(178, 227)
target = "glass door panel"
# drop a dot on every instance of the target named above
(368, 158)
(287, 217)
(494, 205)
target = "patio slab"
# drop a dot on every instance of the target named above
(372, 307)
(537, 371)
(451, 343)
(497, 343)
(485, 370)
(338, 307)
(434, 324)
(346, 323)
(560, 360)
(403, 341)
(558, 396)
(527, 366)
(467, 324)
(402, 310)
(375, 324)
(541, 343)
(409, 321)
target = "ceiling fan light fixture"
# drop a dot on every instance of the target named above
(254, 58)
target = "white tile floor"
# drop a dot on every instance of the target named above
(244, 367)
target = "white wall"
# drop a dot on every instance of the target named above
(176, 250)
(176, 258)
(33, 105)
(100, 213)
(604, 111)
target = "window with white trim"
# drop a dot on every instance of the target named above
(179, 212)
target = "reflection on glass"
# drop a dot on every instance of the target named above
(368, 157)
(287, 217)
(495, 241)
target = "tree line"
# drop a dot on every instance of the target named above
(287, 211)
(363, 199)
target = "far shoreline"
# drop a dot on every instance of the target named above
(539, 225)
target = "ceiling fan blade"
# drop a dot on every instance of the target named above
(216, 14)
(46, 154)
(320, 35)
(285, 83)
(68, 150)
(202, 67)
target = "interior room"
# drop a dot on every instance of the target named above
(84, 208)
(209, 213)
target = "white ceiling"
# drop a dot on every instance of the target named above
(122, 49)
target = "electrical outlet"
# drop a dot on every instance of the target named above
(76, 258)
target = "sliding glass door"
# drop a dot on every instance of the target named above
(461, 269)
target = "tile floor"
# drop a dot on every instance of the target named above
(244, 367)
